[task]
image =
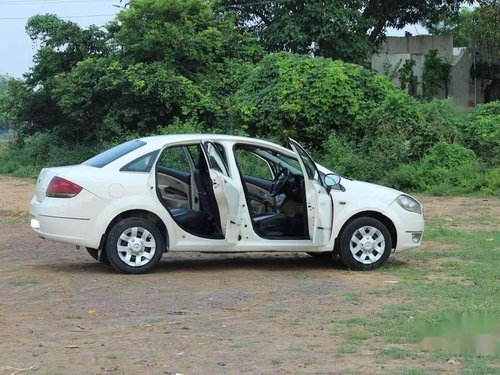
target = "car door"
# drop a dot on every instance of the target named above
(319, 200)
(230, 199)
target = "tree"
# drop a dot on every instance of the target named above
(436, 74)
(348, 30)
(288, 95)
(478, 28)
(485, 35)
(3, 89)
(158, 62)
(459, 26)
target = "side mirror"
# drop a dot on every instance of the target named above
(332, 180)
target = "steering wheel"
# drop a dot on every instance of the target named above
(279, 182)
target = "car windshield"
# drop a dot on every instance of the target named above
(114, 153)
(280, 159)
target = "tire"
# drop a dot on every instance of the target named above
(94, 253)
(365, 244)
(134, 245)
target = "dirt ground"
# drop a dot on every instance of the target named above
(61, 312)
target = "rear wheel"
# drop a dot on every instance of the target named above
(365, 244)
(134, 245)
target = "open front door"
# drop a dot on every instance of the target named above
(227, 195)
(319, 201)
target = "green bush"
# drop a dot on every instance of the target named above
(445, 119)
(25, 158)
(288, 95)
(396, 132)
(340, 156)
(482, 133)
(489, 182)
(446, 169)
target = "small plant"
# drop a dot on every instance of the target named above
(408, 80)
(24, 282)
(436, 75)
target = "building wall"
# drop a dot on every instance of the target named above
(466, 92)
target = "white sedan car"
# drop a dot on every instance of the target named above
(218, 193)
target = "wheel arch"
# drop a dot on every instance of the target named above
(374, 215)
(148, 215)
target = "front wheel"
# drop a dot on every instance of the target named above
(365, 244)
(134, 245)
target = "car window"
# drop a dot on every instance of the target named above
(251, 164)
(114, 153)
(215, 159)
(141, 164)
(310, 166)
(174, 158)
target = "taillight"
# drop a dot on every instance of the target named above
(62, 188)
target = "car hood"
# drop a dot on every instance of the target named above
(366, 188)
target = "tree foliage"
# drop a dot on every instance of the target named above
(157, 62)
(478, 28)
(289, 95)
(346, 30)
(482, 133)
(436, 74)
(185, 66)
(3, 90)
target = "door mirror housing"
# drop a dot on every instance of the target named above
(331, 180)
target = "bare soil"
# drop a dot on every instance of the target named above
(62, 312)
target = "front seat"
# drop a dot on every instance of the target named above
(272, 224)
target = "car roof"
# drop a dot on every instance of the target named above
(161, 140)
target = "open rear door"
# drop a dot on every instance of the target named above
(226, 193)
(319, 201)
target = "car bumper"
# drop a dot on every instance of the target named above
(49, 220)
(410, 229)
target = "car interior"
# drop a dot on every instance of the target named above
(185, 188)
(273, 185)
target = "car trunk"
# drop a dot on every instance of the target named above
(72, 173)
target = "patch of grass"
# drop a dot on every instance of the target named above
(152, 320)
(475, 365)
(413, 371)
(239, 345)
(74, 316)
(14, 220)
(354, 297)
(459, 279)
(348, 348)
(24, 282)
(276, 361)
(395, 353)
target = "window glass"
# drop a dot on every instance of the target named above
(310, 166)
(114, 153)
(215, 159)
(142, 164)
(174, 158)
(252, 165)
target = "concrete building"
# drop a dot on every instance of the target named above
(465, 90)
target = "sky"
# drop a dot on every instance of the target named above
(16, 48)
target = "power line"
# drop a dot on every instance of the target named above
(64, 17)
(35, 2)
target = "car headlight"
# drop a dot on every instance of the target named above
(409, 204)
